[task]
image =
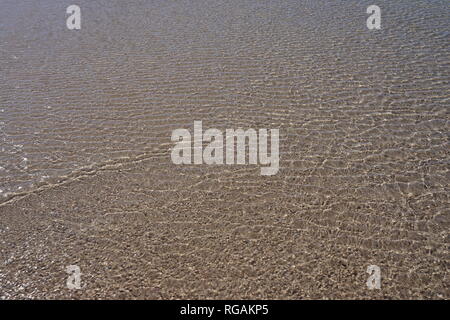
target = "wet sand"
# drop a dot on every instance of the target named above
(364, 147)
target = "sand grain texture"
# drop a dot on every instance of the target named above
(87, 179)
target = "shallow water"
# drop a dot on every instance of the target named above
(136, 71)
(364, 140)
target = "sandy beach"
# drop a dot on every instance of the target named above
(87, 177)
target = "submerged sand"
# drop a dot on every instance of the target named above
(364, 147)
(153, 230)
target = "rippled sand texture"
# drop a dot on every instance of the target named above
(85, 171)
